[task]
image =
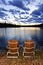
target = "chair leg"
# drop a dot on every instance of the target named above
(28, 54)
(12, 55)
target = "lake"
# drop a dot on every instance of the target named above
(21, 34)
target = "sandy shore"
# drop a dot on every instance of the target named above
(38, 60)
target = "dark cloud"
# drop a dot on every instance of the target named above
(28, 1)
(2, 14)
(36, 13)
(14, 11)
(22, 13)
(29, 19)
(36, 19)
(18, 3)
(41, 8)
(2, 9)
(4, 2)
(42, 15)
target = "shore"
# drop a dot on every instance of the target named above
(11, 25)
(37, 59)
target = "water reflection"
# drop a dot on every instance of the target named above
(21, 34)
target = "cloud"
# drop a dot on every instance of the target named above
(21, 10)
(6, 2)
(2, 14)
(41, 8)
(2, 2)
(18, 3)
(2, 9)
(36, 13)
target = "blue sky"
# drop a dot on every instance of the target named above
(21, 10)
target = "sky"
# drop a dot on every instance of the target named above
(21, 11)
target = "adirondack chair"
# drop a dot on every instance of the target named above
(28, 48)
(12, 49)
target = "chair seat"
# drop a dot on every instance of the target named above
(13, 50)
(28, 50)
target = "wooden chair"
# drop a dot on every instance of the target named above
(12, 49)
(28, 48)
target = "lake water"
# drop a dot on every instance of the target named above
(21, 34)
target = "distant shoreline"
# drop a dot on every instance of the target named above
(2, 25)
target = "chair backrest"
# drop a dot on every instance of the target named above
(29, 43)
(12, 43)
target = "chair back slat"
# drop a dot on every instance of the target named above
(29, 43)
(12, 43)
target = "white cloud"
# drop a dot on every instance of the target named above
(32, 8)
(2, 21)
(7, 7)
(18, 16)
